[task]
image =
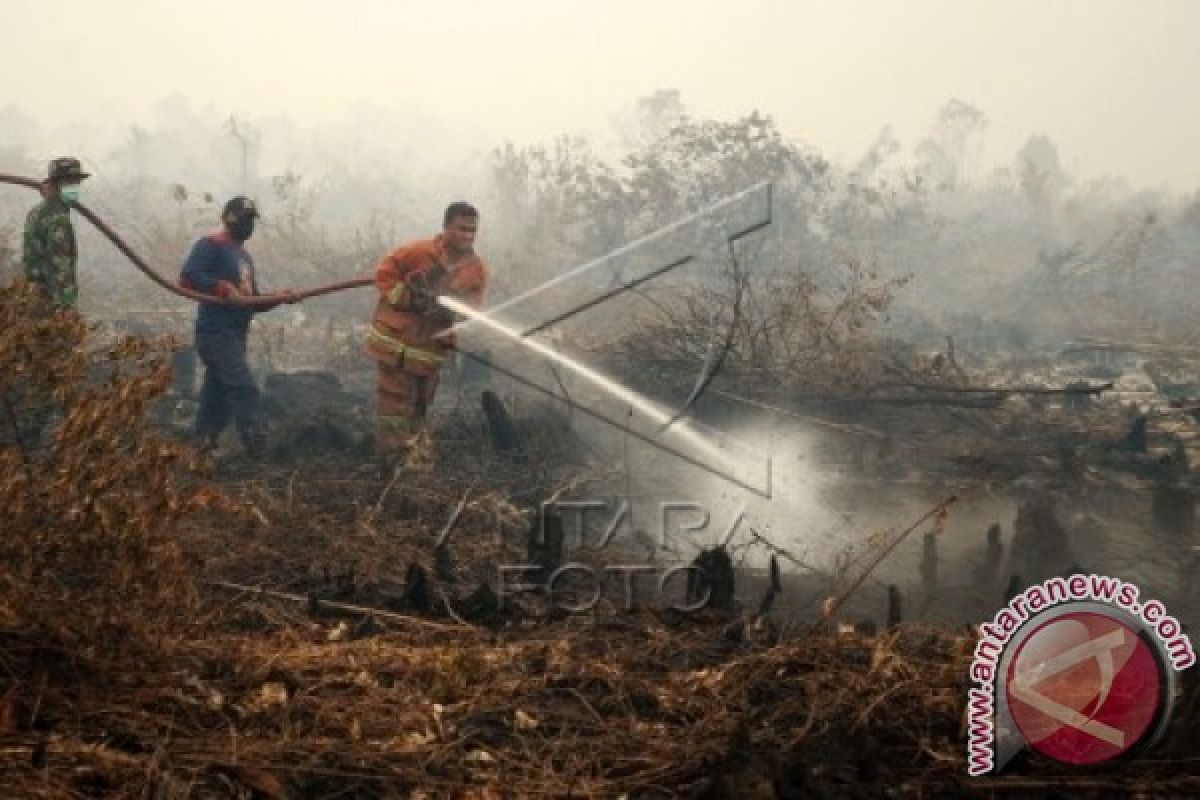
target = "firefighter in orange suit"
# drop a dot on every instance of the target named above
(403, 338)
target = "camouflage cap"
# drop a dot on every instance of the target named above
(65, 169)
(240, 207)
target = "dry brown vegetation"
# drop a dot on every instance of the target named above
(132, 665)
(87, 503)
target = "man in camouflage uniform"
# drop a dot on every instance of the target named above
(50, 255)
(50, 251)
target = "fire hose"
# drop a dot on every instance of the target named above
(711, 366)
(175, 288)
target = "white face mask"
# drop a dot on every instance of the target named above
(69, 194)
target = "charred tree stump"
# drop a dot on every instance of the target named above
(443, 565)
(1077, 401)
(775, 587)
(1137, 439)
(500, 427)
(713, 571)
(988, 571)
(1039, 545)
(482, 607)
(416, 590)
(1179, 457)
(1173, 511)
(366, 628)
(895, 607)
(995, 550)
(1015, 584)
(1189, 568)
(544, 544)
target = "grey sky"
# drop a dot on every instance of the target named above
(1113, 83)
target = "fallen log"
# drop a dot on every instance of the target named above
(1073, 389)
(993, 401)
(824, 423)
(378, 613)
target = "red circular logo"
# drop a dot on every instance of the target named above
(1083, 688)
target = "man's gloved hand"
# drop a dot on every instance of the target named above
(420, 299)
(441, 317)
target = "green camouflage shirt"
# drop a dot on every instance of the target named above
(50, 251)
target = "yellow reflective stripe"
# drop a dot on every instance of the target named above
(398, 294)
(400, 348)
(394, 423)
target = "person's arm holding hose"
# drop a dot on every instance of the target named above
(197, 272)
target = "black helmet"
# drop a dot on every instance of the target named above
(65, 169)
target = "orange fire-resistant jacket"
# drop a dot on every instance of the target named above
(403, 338)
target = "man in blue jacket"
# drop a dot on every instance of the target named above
(219, 265)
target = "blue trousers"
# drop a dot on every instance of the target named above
(229, 391)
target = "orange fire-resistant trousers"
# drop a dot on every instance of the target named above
(402, 400)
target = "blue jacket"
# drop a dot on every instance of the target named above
(216, 258)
